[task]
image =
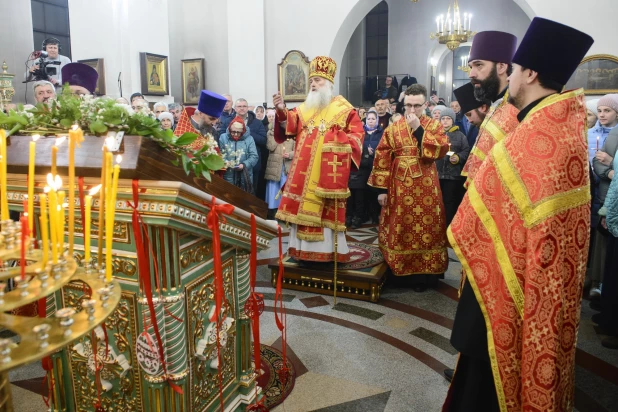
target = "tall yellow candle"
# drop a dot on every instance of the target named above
(60, 221)
(54, 170)
(102, 209)
(75, 137)
(109, 217)
(110, 223)
(87, 200)
(44, 229)
(4, 201)
(53, 228)
(31, 164)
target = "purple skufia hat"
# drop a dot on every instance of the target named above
(495, 46)
(211, 103)
(79, 74)
(552, 49)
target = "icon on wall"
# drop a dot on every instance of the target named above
(154, 74)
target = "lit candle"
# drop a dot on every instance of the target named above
(44, 230)
(53, 203)
(4, 202)
(31, 183)
(469, 22)
(462, 62)
(109, 217)
(109, 234)
(102, 209)
(22, 260)
(60, 221)
(465, 18)
(87, 221)
(54, 171)
(76, 135)
(597, 142)
(438, 24)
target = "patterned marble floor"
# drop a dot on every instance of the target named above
(365, 357)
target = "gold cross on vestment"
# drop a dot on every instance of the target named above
(399, 191)
(399, 210)
(310, 127)
(399, 265)
(438, 209)
(418, 210)
(418, 228)
(322, 127)
(334, 164)
(418, 191)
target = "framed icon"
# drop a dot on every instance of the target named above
(597, 74)
(154, 74)
(193, 80)
(294, 76)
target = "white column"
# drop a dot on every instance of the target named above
(246, 50)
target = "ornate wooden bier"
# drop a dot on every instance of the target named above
(363, 284)
(174, 207)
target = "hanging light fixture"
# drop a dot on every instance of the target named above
(451, 31)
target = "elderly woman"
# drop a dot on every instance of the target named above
(240, 154)
(436, 113)
(278, 166)
(167, 120)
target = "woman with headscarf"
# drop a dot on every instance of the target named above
(363, 201)
(240, 154)
(167, 120)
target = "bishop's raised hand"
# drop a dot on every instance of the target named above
(278, 101)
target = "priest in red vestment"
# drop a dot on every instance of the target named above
(329, 141)
(521, 235)
(200, 121)
(490, 62)
(412, 231)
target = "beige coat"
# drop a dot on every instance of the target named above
(275, 156)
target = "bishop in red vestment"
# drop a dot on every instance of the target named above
(521, 235)
(329, 141)
(412, 231)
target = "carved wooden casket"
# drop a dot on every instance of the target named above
(173, 207)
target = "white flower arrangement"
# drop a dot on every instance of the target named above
(231, 157)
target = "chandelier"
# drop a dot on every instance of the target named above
(450, 30)
(464, 64)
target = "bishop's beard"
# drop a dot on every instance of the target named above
(320, 98)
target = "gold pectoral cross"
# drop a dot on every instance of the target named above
(334, 164)
(310, 127)
(322, 127)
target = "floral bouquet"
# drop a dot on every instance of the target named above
(103, 114)
(231, 157)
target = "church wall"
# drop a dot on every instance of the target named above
(310, 29)
(199, 29)
(353, 65)
(597, 18)
(118, 30)
(16, 43)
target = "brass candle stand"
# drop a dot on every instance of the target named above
(40, 337)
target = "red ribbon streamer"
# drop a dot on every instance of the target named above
(143, 264)
(254, 298)
(213, 225)
(281, 323)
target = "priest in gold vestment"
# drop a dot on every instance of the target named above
(412, 231)
(329, 141)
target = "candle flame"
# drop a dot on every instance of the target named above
(50, 180)
(65, 205)
(94, 190)
(118, 159)
(35, 137)
(46, 189)
(110, 142)
(60, 140)
(75, 127)
(57, 182)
